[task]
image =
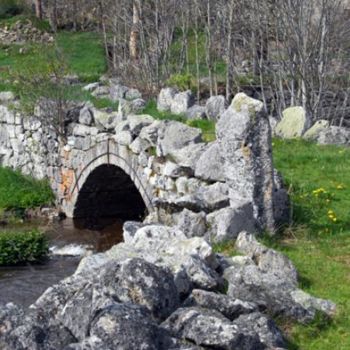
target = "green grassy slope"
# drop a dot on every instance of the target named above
(21, 192)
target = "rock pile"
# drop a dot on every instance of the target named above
(24, 32)
(162, 290)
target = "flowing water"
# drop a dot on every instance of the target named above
(69, 240)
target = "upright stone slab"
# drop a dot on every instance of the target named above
(293, 124)
(244, 137)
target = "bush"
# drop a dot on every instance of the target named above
(22, 247)
(10, 8)
(182, 81)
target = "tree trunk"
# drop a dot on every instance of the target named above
(38, 9)
(134, 35)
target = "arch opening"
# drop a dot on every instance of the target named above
(108, 195)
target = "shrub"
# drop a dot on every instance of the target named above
(182, 81)
(22, 247)
(10, 8)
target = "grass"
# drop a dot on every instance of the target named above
(318, 240)
(19, 192)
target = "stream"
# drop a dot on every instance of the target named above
(69, 241)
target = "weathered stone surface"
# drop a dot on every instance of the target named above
(133, 94)
(127, 107)
(269, 334)
(91, 87)
(190, 223)
(6, 97)
(227, 223)
(293, 124)
(334, 135)
(101, 92)
(104, 120)
(181, 102)
(195, 112)
(86, 116)
(270, 281)
(174, 136)
(209, 165)
(165, 99)
(244, 138)
(139, 282)
(188, 155)
(215, 106)
(228, 307)
(138, 122)
(313, 133)
(209, 329)
(117, 92)
(132, 325)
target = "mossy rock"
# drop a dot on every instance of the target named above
(293, 124)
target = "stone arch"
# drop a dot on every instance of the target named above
(107, 153)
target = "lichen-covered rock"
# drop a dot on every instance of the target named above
(257, 323)
(230, 308)
(139, 282)
(128, 327)
(117, 92)
(270, 280)
(133, 94)
(209, 165)
(174, 136)
(313, 133)
(191, 223)
(334, 135)
(214, 107)
(209, 329)
(86, 116)
(244, 138)
(227, 223)
(182, 102)
(104, 120)
(293, 124)
(165, 99)
(195, 112)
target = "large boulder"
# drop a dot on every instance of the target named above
(209, 329)
(269, 279)
(293, 124)
(334, 135)
(314, 132)
(182, 102)
(165, 99)
(244, 139)
(175, 135)
(215, 106)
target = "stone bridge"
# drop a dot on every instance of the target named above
(132, 166)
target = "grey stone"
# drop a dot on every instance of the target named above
(91, 87)
(209, 329)
(126, 107)
(7, 97)
(174, 136)
(268, 332)
(210, 165)
(190, 223)
(313, 133)
(182, 102)
(132, 324)
(215, 106)
(195, 112)
(86, 116)
(139, 282)
(104, 120)
(334, 135)
(133, 94)
(227, 223)
(117, 92)
(188, 155)
(228, 307)
(165, 99)
(138, 122)
(174, 170)
(101, 92)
